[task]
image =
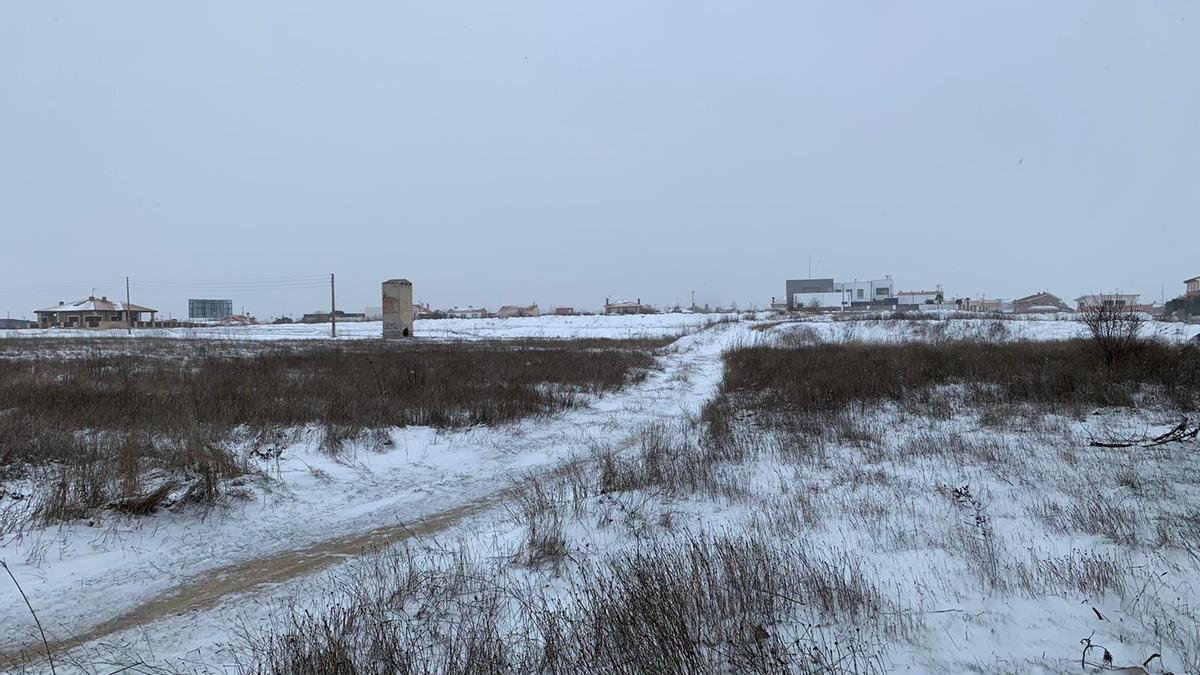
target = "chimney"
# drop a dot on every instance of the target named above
(61, 303)
(607, 301)
(639, 301)
(104, 298)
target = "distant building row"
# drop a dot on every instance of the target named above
(881, 294)
(515, 311)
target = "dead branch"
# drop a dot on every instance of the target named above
(45, 642)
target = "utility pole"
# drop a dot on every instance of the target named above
(128, 316)
(332, 309)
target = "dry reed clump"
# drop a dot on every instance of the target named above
(676, 459)
(695, 604)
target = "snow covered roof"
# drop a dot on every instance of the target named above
(1097, 297)
(1041, 301)
(1188, 281)
(93, 304)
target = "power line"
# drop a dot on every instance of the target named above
(226, 287)
(299, 277)
(233, 284)
(62, 285)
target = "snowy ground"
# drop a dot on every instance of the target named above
(597, 326)
(835, 328)
(931, 563)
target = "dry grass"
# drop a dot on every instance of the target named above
(89, 422)
(693, 605)
(1055, 376)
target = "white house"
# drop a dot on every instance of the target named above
(467, 313)
(1086, 302)
(829, 300)
(916, 299)
(875, 290)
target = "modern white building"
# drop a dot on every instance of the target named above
(919, 299)
(829, 294)
(467, 313)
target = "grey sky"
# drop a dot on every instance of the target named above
(561, 152)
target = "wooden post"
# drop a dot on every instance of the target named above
(128, 316)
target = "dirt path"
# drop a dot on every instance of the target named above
(206, 591)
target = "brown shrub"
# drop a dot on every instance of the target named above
(1062, 376)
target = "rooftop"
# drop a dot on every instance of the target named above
(94, 304)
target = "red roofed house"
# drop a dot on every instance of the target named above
(1040, 303)
(510, 311)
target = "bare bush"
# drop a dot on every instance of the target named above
(1115, 329)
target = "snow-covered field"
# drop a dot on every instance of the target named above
(1000, 578)
(827, 327)
(551, 327)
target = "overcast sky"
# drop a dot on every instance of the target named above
(564, 152)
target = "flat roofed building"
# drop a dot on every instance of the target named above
(467, 313)
(1090, 301)
(824, 294)
(202, 308)
(397, 309)
(919, 298)
(17, 324)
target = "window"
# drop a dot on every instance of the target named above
(883, 291)
(860, 294)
